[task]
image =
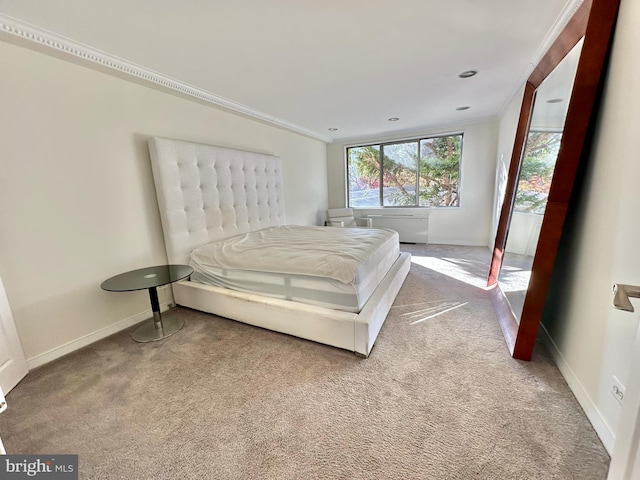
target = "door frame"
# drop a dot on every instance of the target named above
(16, 367)
(625, 458)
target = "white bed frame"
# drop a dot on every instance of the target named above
(207, 193)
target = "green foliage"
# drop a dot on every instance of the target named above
(536, 171)
(434, 176)
(440, 171)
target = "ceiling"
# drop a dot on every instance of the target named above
(316, 65)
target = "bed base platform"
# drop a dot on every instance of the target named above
(356, 332)
(207, 193)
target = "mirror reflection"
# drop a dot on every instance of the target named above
(534, 180)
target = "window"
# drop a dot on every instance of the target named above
(423, 172)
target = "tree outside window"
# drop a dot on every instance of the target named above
(536, 171)
(423, 172)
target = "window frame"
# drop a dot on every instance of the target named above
(380, 146)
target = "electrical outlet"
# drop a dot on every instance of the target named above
(617, 390)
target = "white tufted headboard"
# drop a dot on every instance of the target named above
(207, 193)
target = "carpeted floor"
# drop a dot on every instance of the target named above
(514, 280)
(439, 398)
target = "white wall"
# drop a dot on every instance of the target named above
(469, 224)
(77, 203)
(524, 231)
(506, 138)
(593, 341)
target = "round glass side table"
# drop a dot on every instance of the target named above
(150, 278)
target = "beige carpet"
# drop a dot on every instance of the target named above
(439, 398)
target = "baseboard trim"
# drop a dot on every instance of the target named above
(458, 243)
(600, 425)
(90, 338)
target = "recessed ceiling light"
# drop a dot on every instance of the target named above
(554, 100)
(463, 108)
(468, 73)
(333, 129)
(393, 119)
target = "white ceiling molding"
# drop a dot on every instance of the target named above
(71, 48)
(556, 29)
(554, 32)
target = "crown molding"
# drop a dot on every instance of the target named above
(556, 29)
(566, 14)
(90, 56)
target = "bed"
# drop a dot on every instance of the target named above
(209, 195)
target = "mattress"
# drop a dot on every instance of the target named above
(336, 268)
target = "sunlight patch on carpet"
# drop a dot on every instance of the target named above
(466, 271)
(429, 312)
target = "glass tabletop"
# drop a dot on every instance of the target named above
(146, 278)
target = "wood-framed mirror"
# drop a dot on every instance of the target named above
(549, 144)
